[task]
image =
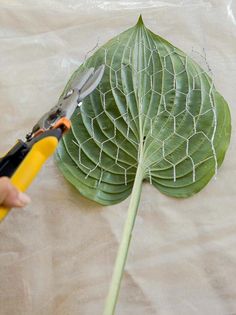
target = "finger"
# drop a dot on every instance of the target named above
(10, 196)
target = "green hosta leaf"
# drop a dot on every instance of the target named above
(155, 108)
(156, 115)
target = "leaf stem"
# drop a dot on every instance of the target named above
(124, 245)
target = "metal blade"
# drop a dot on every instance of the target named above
(91, 83)
(81, 87)
(82, 78)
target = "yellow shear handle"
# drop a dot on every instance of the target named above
(31, 165)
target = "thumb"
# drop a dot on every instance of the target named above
(10, 196)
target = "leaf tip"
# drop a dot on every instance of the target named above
(140, 21)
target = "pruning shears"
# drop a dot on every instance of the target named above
(25, 159)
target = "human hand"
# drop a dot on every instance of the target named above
(10, 196)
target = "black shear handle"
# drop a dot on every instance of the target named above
(14, 157)
(10, 162)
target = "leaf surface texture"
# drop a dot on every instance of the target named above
(154, 107)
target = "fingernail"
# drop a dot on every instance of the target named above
(23, 199)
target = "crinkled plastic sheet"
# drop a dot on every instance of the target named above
(56, 256)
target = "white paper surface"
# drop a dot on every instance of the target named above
(56, 256)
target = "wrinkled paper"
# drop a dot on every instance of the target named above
(57, 254)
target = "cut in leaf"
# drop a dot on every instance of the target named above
(154, 108)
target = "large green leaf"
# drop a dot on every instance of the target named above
(156, 115)
(155, 108)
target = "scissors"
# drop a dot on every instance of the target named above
(25, 159)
